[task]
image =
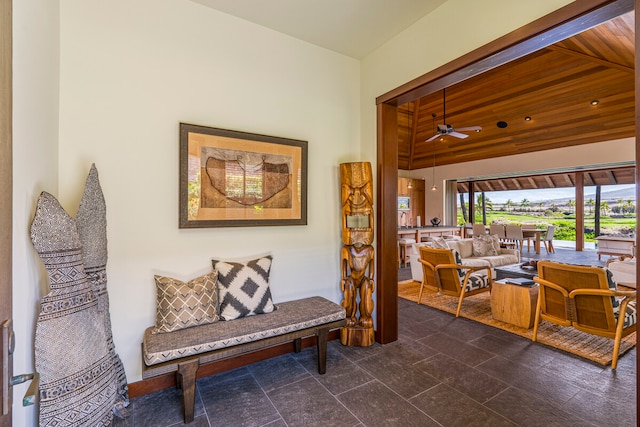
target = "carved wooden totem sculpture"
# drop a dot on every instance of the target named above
(357, 253)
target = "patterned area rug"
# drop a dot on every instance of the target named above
(478, 308)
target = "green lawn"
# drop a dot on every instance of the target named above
(565, 224)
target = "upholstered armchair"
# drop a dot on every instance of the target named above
(587, 299)
(444, 273)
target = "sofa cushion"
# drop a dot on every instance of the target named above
(500, 260)
(483, 245)
(463, 246)
(475, 262)
(244, 287)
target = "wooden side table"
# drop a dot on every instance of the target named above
(514, 304)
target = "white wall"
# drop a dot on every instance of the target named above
(35, 169)
(130, 73)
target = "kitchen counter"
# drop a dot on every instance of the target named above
(418, 233)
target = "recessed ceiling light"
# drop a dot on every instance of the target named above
(527, 118)
(595, 102)
(502, 124)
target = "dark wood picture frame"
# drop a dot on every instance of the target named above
(238, 179)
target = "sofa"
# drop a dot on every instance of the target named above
(623, 271)
(470, 257)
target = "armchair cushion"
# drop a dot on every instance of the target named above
(477, 281)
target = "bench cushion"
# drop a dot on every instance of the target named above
(288, 317)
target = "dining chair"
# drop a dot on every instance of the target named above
(479, 229)
(587, 299)
(548, 239)
(468, 229)
(514, 234)
(500, 230)
(444, 273)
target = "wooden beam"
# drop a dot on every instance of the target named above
(472, 202)
(588, 179)
(550, 182)
(579, 177)
(387, 224)
(516, 183)
(412, 132)
(532, 182)
(611, 176)
(591, 58)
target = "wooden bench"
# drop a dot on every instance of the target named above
(185, 350)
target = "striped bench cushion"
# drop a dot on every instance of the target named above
(288, 317)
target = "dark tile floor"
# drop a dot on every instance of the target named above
(442, 371)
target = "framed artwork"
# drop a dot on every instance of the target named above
(238, 179)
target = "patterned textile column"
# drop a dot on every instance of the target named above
(77, 378)
(91, 221)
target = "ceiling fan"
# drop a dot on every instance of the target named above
(447, 129)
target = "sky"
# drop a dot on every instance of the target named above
(547, 194)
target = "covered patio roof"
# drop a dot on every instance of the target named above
(593, 177)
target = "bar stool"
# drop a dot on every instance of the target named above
(404, 253)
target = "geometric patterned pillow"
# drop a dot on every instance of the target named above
(243, 287)
(180, 305)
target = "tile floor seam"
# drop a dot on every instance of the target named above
(267, 396)
(204, 407)
(335, 396)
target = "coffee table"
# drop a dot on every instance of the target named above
(514, 270)
(514, 304)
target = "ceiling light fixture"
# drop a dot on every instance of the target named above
(409, 185)
(595, 102)
(433, 179)
(527, 118)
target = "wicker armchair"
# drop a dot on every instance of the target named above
(587, 299)
(444, 273)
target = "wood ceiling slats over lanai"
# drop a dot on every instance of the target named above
(555, 87)
(621, 175)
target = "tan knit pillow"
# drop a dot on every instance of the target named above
(180, 305)
(484, 246)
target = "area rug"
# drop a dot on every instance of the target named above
(478, 308)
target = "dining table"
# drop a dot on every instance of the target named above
(537, 234)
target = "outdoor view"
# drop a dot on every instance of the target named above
(615, 215)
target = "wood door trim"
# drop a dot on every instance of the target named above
(6, 183)
(520, 42)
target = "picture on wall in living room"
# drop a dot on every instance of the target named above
(236, 179)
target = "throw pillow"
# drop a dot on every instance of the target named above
(244, 287)
(483, 246)
(181, 305)
(439, 242)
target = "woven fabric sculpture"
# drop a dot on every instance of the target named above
(77, 378)
(91, 221)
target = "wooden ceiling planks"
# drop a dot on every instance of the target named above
(553, 86)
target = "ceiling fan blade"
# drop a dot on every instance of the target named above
(470, 128)
(432, 138)
(459, 135)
